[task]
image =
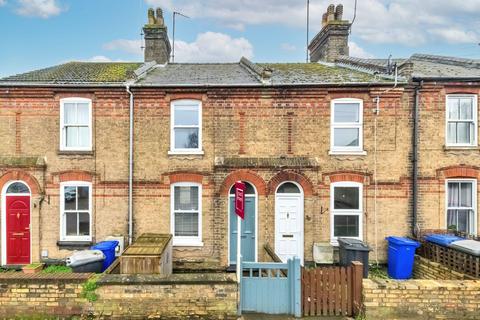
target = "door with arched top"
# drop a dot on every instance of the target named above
(17, 223)
(289, 221)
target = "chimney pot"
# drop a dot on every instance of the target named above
(324, 20)
(330, 13)
(339, 12)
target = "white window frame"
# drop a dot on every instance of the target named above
(63, 141)
(63, 221)
(346, 212)
(185, 103)
(474, 97)
(195, 241)
(474, 201)
(346, 125)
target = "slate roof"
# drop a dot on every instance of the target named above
(421, 66)
(78, 73)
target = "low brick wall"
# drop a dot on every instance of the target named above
(179, 296)
(426, 269)
(421, 299)
(41, 294)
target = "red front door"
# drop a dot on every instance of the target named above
(18, 229)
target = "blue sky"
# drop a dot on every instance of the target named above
(41, 33)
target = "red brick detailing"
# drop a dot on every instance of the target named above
(75, 176)
(185, 96)
(243, 175)
(18, 133)
(347, 176)
(458, 172)
(284, 176)
(241, 134)
(461, 90)
(21, 176)
(185, 177)
(289, 132)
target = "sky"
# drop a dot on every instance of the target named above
(40, 33)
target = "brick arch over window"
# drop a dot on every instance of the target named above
(458, 172)
(243, 175)
(348, 176)
(21, 176)
(175, 177)
(285, 176)
(75, 176)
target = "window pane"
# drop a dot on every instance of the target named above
(249, 189)
(466, 109)
(463, 220)
(466, 194)
(186, 198)
(71, 223)
(453, 194)
(453, 105)
(17, 187)
(83, 198)
(346, 112)
(82, 113)
(186, 116)
(70, 113)
(186, 138)
(345, 226)
(83, 137)
(346, 198)
(346, 137)
(463, 132)
(70, 195)
(288, 188)
(186, 224)
(83, 224)
(452, 132)
(71, 136)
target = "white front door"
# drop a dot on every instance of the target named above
(289, 226)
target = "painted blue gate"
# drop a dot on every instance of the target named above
(272, 288)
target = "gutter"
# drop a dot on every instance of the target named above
(130, 167)
(415, 158)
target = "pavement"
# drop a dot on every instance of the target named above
(258, 316)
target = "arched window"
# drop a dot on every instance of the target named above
(18, 187)
(288, 187)
(250, 190)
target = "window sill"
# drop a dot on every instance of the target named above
(461, 148)
(187, 243)
(74, 245)
(186, 153)
(75, 152)
(347, 153)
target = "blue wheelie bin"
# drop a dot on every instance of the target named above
(401, 255)
(108, 249)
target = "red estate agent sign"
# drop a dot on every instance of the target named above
(240, 199)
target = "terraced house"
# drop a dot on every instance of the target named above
(338, 147)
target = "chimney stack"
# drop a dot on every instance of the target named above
(332, 41)
(157, 45)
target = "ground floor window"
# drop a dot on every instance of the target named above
(76, 211)
(461, 205)
(186, 204)
(346, 210)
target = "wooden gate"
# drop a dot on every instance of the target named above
(330, 291)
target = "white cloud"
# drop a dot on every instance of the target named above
(129, 46)
(38, 8)
(404, 22)
(3, 2)
(213, 47)
(99, 59)
(288, 47)
(358, 52)
(207, 47)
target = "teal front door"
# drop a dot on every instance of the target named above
(248, 231)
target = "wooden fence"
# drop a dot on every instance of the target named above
(332, 291)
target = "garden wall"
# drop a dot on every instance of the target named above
(421, 299)
(119, 296)
(427, 269)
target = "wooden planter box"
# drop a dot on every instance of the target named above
(30, 269)
(149, 254)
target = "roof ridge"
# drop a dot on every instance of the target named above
(252, 68)
(446, 59)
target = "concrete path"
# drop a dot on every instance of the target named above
(256, 316)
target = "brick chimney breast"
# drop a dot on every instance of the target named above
(332, 40)
(157, 44)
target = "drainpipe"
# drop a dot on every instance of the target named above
(130, 169)
(415, 158)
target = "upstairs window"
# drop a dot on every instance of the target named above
(461, 120)
(346, 208)
(76, 124)
(461, 204)
(346, 126)
(186, 127)
(75, 210)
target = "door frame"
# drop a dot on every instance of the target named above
(3, 219)
(256, 220)
(302, 215)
